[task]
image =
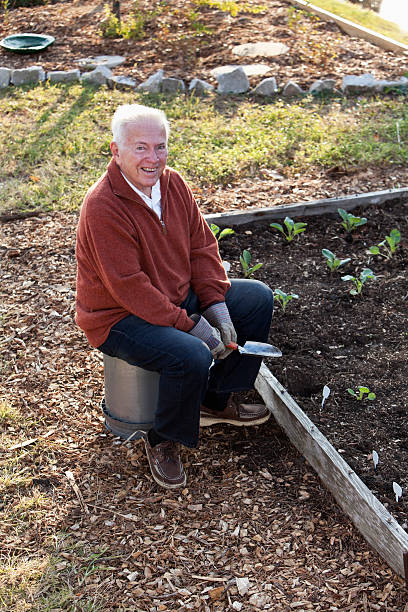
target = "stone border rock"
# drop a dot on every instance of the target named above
(231, 80)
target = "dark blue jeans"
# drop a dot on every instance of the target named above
(187, 376)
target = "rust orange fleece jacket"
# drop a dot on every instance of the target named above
(130, 262)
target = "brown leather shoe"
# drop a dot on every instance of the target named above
(165, 464)
(235, 414)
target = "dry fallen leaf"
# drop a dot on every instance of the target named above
(216, 593)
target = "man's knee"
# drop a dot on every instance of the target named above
(198, 357)
(251, 295)
(264, 294)
(191, 357)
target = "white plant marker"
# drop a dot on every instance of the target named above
(326, 393)
(397, 490)
(227, 266)
(375, 459)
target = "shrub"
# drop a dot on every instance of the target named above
(131, 28)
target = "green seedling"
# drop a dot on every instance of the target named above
(350, 222)
(332, 261)
(388, 246)
(225, 232)
(284, 298)
(245, 260)
(362, 393)
(365, 275)
(292, 228)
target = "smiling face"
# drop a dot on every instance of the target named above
(142, 153)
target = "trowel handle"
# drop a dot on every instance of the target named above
(233, 346)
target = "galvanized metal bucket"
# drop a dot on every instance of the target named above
(130, 397)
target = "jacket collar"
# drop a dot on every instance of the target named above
(122, 189)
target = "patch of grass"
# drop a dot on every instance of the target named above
(13, 424)
(364, 17)
(22, 502)
(37, 572)
(5, 362)
(42, 584)
(238, 142)
(57, 576)
(21, 512)
(57, 137)
(13, 476)
(29, 507)
(8, 414)
(18, 578)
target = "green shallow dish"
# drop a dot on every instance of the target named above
(26, 42)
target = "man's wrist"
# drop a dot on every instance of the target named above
(203, 330)
(217, 314)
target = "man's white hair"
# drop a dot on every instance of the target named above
(133, 113)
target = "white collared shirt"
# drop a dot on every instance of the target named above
(155, 201)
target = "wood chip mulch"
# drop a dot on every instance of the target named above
(254, 528)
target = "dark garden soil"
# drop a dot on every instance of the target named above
(329, 337)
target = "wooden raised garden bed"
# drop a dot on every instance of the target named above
(370, 516)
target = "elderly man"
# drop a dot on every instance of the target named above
(151, 290)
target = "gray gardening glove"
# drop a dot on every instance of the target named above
(208, 334)
(218, 316)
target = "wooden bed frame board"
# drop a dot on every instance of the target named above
(367, 513)
(305, 209)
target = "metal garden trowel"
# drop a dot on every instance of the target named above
(256, 348)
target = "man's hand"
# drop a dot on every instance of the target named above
(208, 334)
(218, 316)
